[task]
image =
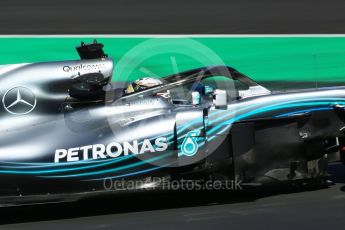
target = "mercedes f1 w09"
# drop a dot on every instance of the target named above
(67, 130)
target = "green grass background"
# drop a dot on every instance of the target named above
(262, 58)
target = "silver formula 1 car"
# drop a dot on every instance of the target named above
(68, 132)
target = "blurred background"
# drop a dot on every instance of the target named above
(278, 62)
(171, 17)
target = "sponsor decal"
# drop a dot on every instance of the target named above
(19, 100)
(112, 150)
(189, 145)
(75, 68)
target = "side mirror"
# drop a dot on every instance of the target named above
(196, 98)
(220, 99)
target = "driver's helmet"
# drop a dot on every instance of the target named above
(145, 83)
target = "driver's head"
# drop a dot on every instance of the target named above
(145, 83)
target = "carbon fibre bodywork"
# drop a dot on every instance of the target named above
(65, 130)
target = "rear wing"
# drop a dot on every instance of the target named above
(91, 51)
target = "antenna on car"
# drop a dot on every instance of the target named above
(92, 50)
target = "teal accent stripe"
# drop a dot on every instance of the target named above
(112, 170)
(116, 160)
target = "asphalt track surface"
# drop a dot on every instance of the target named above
(312, 208)
(171, 17)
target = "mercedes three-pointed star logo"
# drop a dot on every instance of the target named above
(19, 100)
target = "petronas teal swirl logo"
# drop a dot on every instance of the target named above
(190, 146)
